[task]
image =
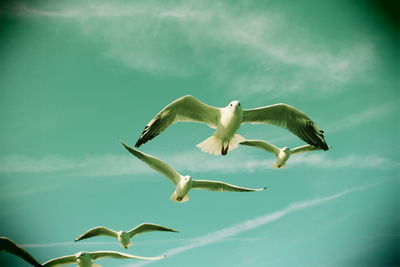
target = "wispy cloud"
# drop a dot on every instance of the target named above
(185, 162)
(93, 165)
(367, 115)
(108, 243)
(246, 49)
(254, 223)
(349, 161)
(22, 163)
(64, 244)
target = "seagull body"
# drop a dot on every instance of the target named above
(184, 183)
(282, 154)
(123, 236)
(228, 120)
(10, 246)
(84, 259)
(225, 134)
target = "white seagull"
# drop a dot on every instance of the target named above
(227, 121)
(282, 154)
(84, 259)
(184, 183)
(123, 236)
(10, 246)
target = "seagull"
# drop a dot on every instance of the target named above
(227, 121)
(184, 183)
(282, 154)
(84, 259)
(10, 246)
(123, 236)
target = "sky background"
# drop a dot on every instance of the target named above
(78, 76)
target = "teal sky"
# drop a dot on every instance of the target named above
(78, 76)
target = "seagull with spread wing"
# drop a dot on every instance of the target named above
(227, 121)
(282, 154)
(123, 236)
(84, 259)
(10, 246)
(183, 184)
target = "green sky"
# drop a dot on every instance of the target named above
(78, 76)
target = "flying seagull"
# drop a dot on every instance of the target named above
(184, 183)
(227, 121)
(84, 259)
(10, 246)
(282, 154)
(123, 236)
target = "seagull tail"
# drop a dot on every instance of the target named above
(214, 145)
(175, 197)
(278, 165)
(235, 141)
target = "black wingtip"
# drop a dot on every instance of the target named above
(138, 144)
(325, 147)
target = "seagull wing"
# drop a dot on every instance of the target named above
(155, 163)
(118, 255)
(302, 149)
(186, 108)
(10, 246)
(148, 227)
(290, 118)
(220, 186)
(65, 260)
(262, 145)
(99, 230)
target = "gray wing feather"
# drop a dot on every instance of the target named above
(10, 246)
(302, 149)
(60, 261)
(155, 163)
(148, 227)
(288, 117)
(220, 186)
(262, 145)
(185, 109)
(99, 230)
(118, 255)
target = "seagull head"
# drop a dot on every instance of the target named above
(285, 149)
(123, 238)
(123, 234)
(187, 178)
(234, 104)
(82, 256)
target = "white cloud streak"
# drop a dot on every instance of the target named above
(22, 163)
(64, 244)
(350, 161)
(108, 243)
(367, 115)
(96, 165)
(174, 39)
(254, 223)
(185, 162)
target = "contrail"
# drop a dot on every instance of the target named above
(253, 223)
